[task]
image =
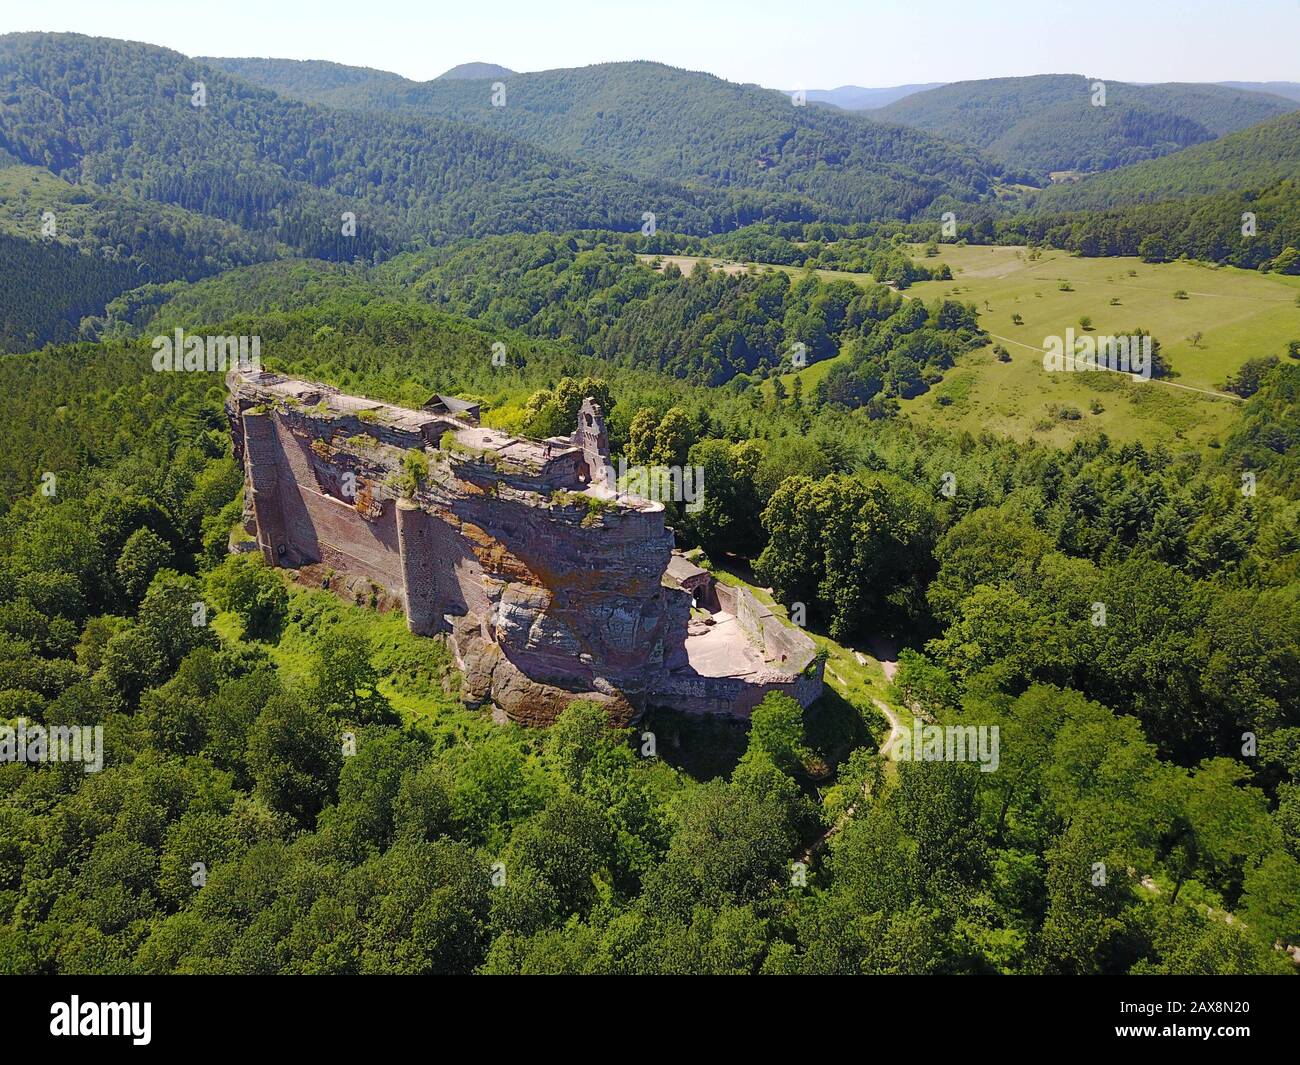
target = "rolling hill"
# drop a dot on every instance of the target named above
(1251, 159)
(1289, 89)
(858, 98)
(316, 76)
(661, 122)
(120, 116)
(146, 186)
(102, 244)
(1048, 123)
(476, 70)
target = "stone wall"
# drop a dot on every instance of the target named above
(785, 645)
(549, 589)
(734, 696)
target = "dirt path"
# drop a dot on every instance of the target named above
(896, 729)
(1132, 377)
(895, 725)
(884, 649)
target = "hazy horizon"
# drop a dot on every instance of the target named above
(759, 42)
(810, 88)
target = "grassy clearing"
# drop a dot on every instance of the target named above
(810, 375)
(27, 191)
(411, 668)
(1239, 314)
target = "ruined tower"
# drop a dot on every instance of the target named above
(591, 437)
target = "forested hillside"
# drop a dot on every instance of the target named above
(1048, 122)
(126, 168)
(1121, 742)
(46, 289)
(120, 116)
(137, 176)
(1288, 89)
(124, 243)
(708, 326)
(477, 70)
(679, 125)
(313, 79)
(1251, 159)
(1209, 228)
(591, 292)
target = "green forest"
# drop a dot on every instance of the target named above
(291, 782)
(1123, 742)
(637, 117)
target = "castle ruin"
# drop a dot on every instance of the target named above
(550, 584)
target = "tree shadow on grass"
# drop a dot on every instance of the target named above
(834, 727)
(701, 747)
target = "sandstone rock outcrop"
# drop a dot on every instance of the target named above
(549, 583)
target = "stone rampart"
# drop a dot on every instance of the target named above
(549, 585)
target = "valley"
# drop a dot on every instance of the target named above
(644, 538)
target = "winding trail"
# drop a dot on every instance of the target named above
(884, 651)
(890, 666)
(1134, 377)
(895, 725)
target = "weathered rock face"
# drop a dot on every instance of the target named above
(550, 586)
(489, 676)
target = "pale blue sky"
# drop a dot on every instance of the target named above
(786, 44)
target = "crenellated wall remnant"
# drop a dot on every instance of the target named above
(550, 584)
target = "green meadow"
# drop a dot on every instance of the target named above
(1238, 314)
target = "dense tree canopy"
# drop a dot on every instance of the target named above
(289, 782)
(291, 788)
